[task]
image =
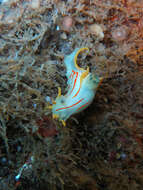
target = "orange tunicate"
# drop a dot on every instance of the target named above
(120, 33)
(67, 23)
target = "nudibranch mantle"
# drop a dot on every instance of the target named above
(81, 90)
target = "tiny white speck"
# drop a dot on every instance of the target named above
(48, 99)
(34, 105)
(17, 177)
(57, 28)
(123, 155)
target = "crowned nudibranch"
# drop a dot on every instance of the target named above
(81, 90)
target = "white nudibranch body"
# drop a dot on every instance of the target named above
(82, 87)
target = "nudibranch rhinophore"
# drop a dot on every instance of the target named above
(82, 87)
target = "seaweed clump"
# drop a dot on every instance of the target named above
(100, 148)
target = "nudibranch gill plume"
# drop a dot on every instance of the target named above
(81, 89)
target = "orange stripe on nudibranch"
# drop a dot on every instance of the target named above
(77, 92)
(78, 89)
(70, 75)
(74, 82)
(82, 106)
(70, 106)
(83, 75)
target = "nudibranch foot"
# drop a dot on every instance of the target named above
(57, 117)
(63, 122)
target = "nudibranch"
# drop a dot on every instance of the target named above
(81, 90)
